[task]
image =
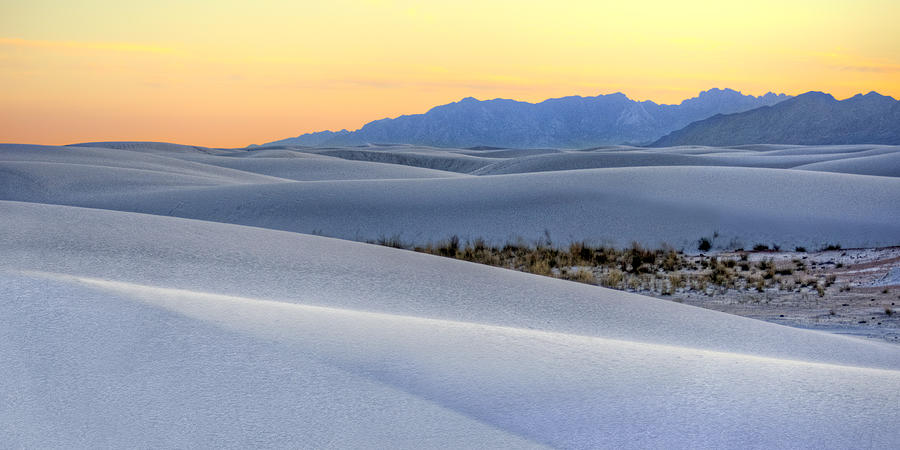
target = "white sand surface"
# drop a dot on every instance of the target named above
(158, 295)
(140, 330)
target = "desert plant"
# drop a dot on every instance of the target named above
(392, 241)
(612, 279)
(676, 280)
(582, 276)
(704, 245)
(539, 267)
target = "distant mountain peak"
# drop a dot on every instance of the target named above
(717, 91)
(816, 95)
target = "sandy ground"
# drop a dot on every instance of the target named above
(872, 276)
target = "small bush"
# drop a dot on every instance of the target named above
(760, 247)
(539, 267)
(888, 311)
(392, 241)
(800, 249)
(760, 285)
(831, 247)
(704, 245)
(583, 276)
(676, 280)
(612, 279)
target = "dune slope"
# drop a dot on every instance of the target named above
(132, 329)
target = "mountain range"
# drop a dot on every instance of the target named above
(808, 119)
(567, 122)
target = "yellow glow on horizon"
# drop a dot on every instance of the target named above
(231, 73)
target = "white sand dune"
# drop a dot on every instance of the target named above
(170, 332)
(773, 157)
(314, 167)
(651, 205)
(887, 165)
(363, 200)
(122, 326)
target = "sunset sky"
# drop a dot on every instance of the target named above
(233, 73)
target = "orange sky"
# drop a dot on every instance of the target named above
(231, 73)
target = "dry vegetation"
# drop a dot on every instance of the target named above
(663, 270)
(797, 288)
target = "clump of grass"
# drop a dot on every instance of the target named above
(612, 279)
(788, 284)
(634, 283)
(539, 267)
(785, 271)
(582, 276)
(800, 249)
(831, 247)
(676, 280)
(760, 248)
(392, 241)
(720, 273)
(888, 311)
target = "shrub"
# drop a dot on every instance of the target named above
(759, 283)
(760, 247)
(539, 267)
(704, 245)
(449, 248)
(676, 280)
(583, 276)
(800, 249)
(393, 241)
(612, 279)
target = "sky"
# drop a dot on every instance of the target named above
(233, 73)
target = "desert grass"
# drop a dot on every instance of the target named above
(661, 271)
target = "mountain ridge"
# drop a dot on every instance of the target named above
(565, 122)
(812, 118)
